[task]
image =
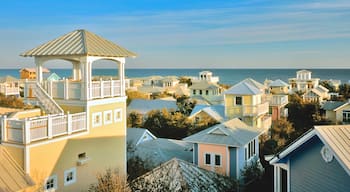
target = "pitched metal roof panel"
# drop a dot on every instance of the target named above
(79, 42)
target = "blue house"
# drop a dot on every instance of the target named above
(317, 161)
(226, 148)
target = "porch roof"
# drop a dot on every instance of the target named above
(79, 42)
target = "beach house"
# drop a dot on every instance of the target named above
(278, 99)
(81, 130)
(226, 148)
(9, 86)
(30, 73)
(245, 101)
(317, 161)
(303, 81)
(337, 111)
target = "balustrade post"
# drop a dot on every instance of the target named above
(26, 130)
(50, 88)
(101, 88)
(69, 123)
(112, 87)
(25, 94)
(4, 128)
(49, 126)
(66, 89)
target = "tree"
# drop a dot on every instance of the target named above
(327, 85)
(344, 91)
(135, 95)
(252, 173)
(185, 104)
(136, 167)
(110, 181)
(282, 132)
(186, 80)
(134, 119)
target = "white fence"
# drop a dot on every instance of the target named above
(45, 127)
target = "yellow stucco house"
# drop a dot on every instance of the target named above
(82, 127)
(245, 101)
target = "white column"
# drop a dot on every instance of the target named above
(122, 78)
(39, 70)
(66, 89)
(26, 130)
(3, 128)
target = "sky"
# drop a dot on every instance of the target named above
(187, 34)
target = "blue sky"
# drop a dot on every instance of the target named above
(188, 34)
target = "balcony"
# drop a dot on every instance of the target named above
(248, 110)
(27, 131)
(9, 90)
(266, 122)
(277, 100)
(70, 90)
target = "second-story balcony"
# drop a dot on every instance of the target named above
(277, 100)
(26, 131)
(248, 110)
(73, 90)
(9, 89)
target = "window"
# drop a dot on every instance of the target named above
(200, 92)
(238, 100)
(51, 183)
(212, 159)
(194, 92)
(346, 116)
(96, 119)
(70, 176)
(207, 159)
(118, 115)
(217, 160)
(250, 150)
(206, 92)
(107, 117)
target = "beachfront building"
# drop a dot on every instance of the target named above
(278, 99)
(205, 76)
(317, 161)
(316, 95)
(245, 101)
(210, 92)
(303, 81)
(338, 112)
(207, 113)
(9, 86)
(226, 148)
(81, 130)
(30, 73)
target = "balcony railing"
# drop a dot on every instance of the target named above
(69, 89)
(248, 110)
(277, 100)
(266, 122)
(45, 127)
(9, 90)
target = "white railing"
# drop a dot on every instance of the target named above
(68, 89)
(277, 100)
(46, 101)
(9, 90)
(248, 110)
(46, 127)
(266, 122)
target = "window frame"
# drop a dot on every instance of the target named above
(212, 159)
(105, 115)
(72, 170)
(346, 116)
(94, 123)
(205, 159)
(55, 183)
(250, 150)
(240, 99)
(116, 111)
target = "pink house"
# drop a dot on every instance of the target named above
(226, 148)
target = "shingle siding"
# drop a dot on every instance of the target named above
(309, 172)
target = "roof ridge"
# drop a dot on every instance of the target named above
(83, 36)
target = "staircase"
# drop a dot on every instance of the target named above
(46, 102)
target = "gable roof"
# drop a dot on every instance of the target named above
(217, 112)
(79, 42)
(336, 137)
(278, 83)
(303, 71)
(12, 177)
(322, 89)
(143, 106)
(254, 83)
(332, 105)
(135, 135)
(7, 78)
(45, 70)
(177, 175)
(235, 133)
(160, 150)
(243, 88)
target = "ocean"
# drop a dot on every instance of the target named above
(227, 76)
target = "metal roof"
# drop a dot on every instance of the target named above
(235, 133)
(278, 83)
(204, 85)
(332, 105)
(178, 175)
(243, 88)
(337, 137)
(79, 42)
